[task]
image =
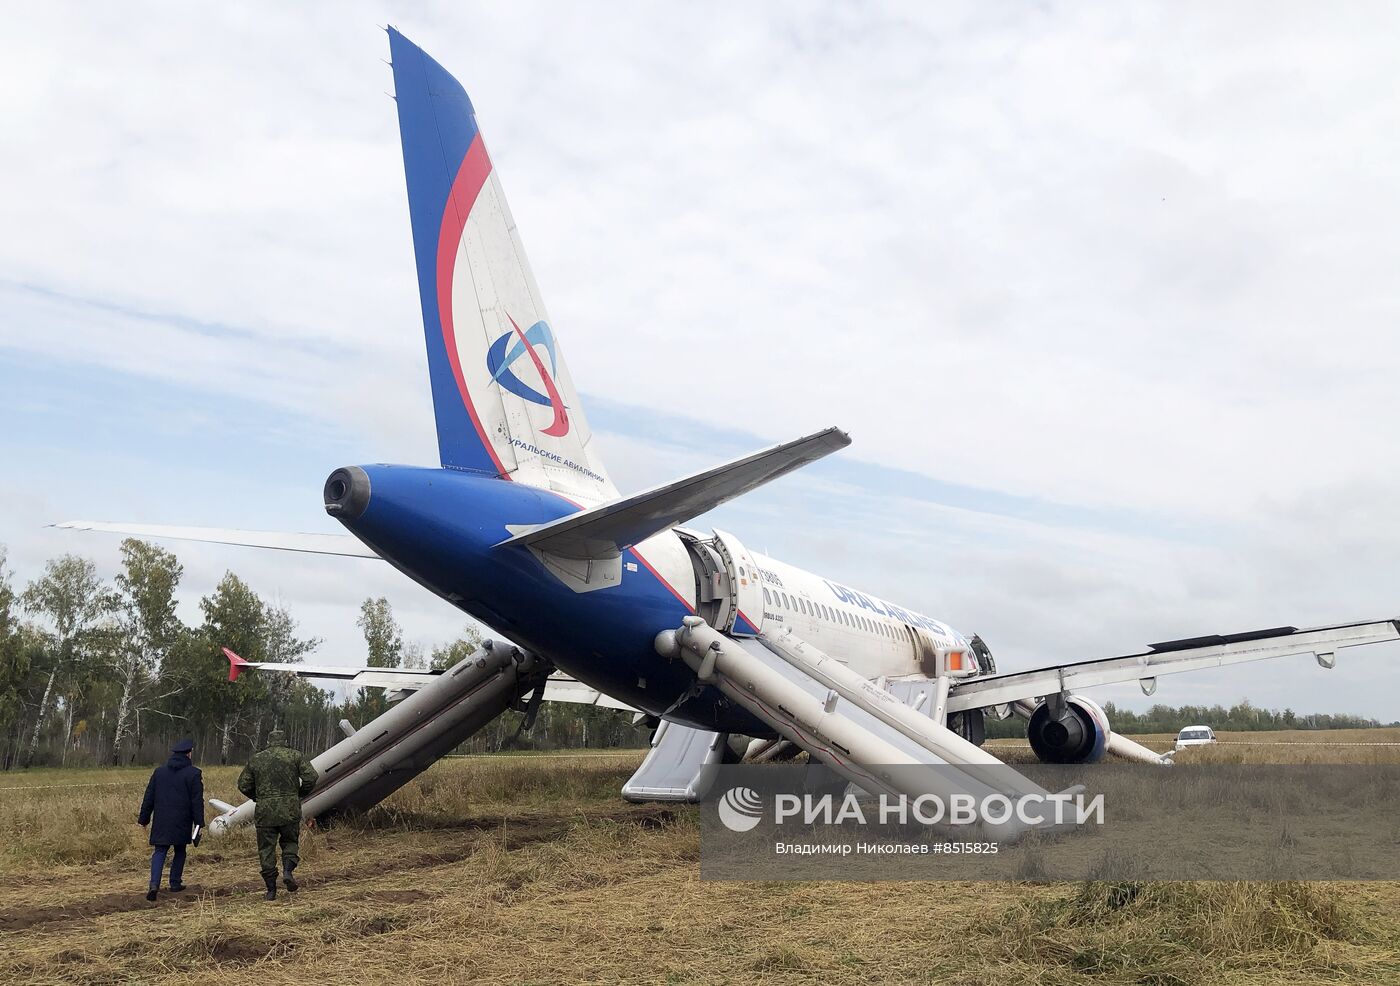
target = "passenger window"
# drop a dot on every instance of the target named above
(785, 600)
(767, 598)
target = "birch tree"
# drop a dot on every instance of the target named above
(146, 590)
(234, 617)
(384, 649)
(72, 599)
(281, 645)
(14, 659)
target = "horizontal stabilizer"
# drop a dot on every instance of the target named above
(316, 544)
(603, 531)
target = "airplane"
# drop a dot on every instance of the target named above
(610, 599)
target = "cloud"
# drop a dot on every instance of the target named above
(1101, 293)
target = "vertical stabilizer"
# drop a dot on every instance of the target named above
(502, 394)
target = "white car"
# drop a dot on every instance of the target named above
(1195, 736)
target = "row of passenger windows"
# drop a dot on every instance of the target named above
(822, 612)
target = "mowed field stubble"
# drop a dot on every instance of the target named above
(533, 870)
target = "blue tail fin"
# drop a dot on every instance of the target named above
(504, 400)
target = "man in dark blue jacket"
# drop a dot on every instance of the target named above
(175, 795)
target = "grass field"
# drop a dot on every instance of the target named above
(531, 869)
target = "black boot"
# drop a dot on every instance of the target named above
(271, 882)
(151, 894)
(288, 880)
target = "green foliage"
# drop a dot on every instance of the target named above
(288, 697)
(75, 606)
(115, 676)
(384, 649)
(70, 596)
(146, 593)
(234, 617)
(447, 655)
(383, 638)
(89, 648)
(14, 655)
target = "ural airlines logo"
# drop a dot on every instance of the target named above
(506, 351)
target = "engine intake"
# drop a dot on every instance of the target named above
(1078, 737)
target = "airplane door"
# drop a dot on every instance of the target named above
(745, 585)
(925, 653)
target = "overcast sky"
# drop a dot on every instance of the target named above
(1104, 293)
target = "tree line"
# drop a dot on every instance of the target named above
(103, 673)
(1244, 718)
(94, 672)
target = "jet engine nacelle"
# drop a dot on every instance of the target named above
(1080, 737)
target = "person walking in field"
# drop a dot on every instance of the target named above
(175, 800)
(277, 779)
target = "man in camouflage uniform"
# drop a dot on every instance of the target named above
(277, 779)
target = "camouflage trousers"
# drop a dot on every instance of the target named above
(269, 836)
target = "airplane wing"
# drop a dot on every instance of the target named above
(602, 532)
(558, 688)
(1170, 657)
(402, 679)
(316, 544)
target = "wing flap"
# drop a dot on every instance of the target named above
(559, 688)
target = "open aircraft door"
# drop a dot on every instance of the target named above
(745, 583)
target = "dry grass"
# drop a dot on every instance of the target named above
(533, 870)
(1294, 746)
(1175, 934)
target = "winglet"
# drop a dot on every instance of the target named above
(236, 664)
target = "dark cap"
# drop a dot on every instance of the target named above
(184, 746)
